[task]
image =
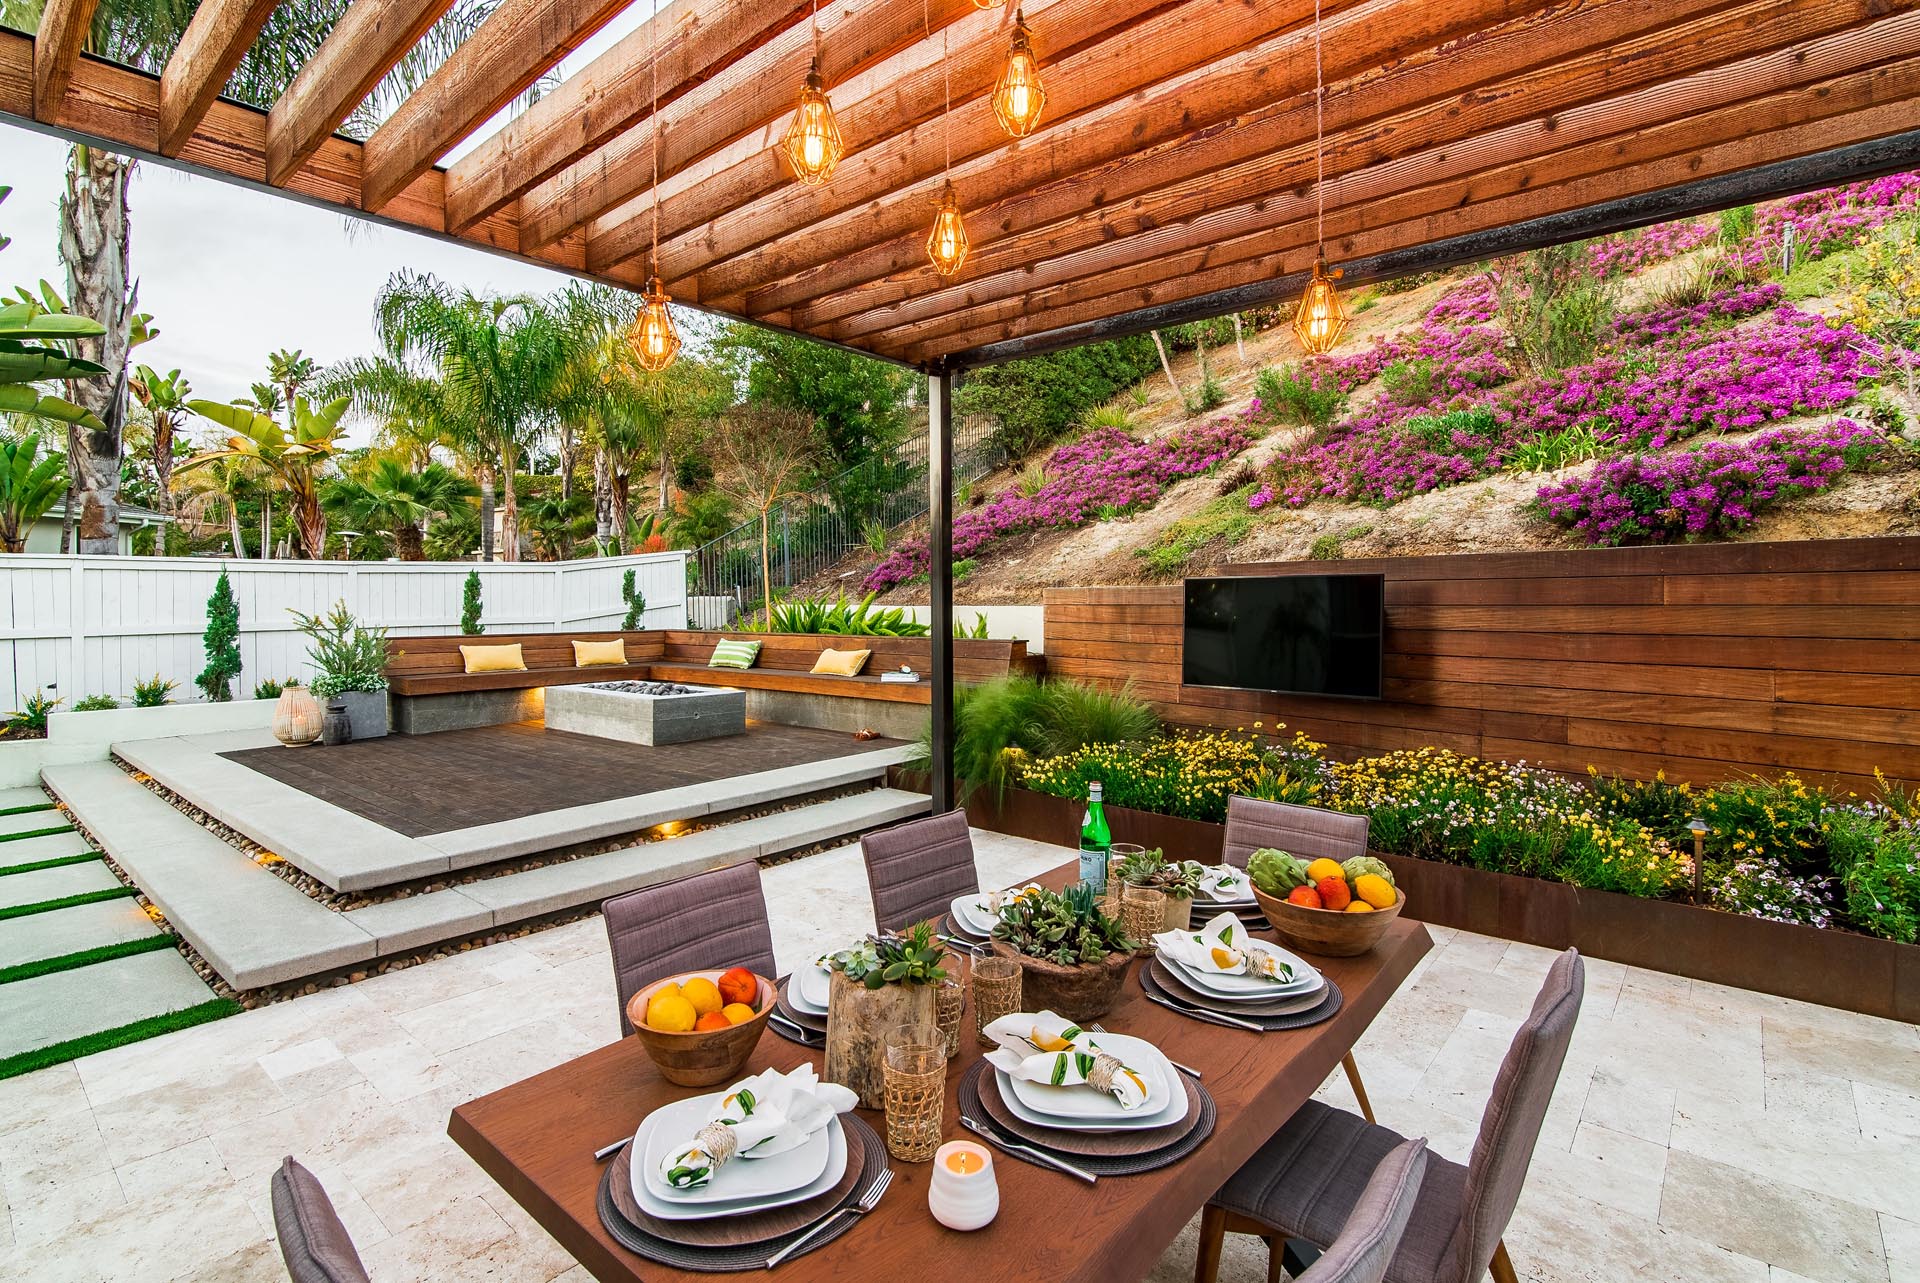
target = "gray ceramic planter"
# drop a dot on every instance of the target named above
(366, 711)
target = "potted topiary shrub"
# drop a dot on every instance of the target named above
(1073, 958)
(350, 663)
(878, 985)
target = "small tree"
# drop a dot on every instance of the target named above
(1555, 305)
(636, 603)
(470, 606)
(222, 640)
(765, 454)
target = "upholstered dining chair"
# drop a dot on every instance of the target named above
(1308, 832)
(1372, 1233)
(702, 923)
(313, 1242)
(914, 870)
(1307, 1180)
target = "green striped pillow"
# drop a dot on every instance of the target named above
(734, 654)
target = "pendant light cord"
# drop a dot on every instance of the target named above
(1319, 141)
(816, 34)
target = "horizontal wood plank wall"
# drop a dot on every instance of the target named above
(1704, 661)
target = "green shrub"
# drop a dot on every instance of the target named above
(1036, 400)
(1756, 819)
(155, 692)
(842, 618)
(1072, 714)
(1555, 305)
(1225, 521)
(470, 606)
(1439, 430)
(346, 656)
(221, 642)
(1306, 394)
(96, 704)
(1573, 444)
(272, 687)
(1000, 724)
(1110, 415)
(1881, 883)
(1410, 382)
(636, 603)
(978, 632)
(1207, 394)
(964, 567)
(29, 721)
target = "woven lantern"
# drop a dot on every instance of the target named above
(947, 246)
(1322, 318)
(1019, 96)
(812, 142)
(655, 341)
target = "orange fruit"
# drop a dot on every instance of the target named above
(738, 1013)
(739, 985)
(670, 1011)
(1359, 906)
(1334, 893)
(712, 1020)
(703, 994)
(1305, 897)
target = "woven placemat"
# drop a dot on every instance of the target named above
(1268, 1024)
(951, 926)
(1172, 982)
(816, 1025)
(731, 1230)
(972, 1104)
(1139, 1140)
(724, 1260)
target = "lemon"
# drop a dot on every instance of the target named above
(1325, 868)
(670, 1011)
(737, 1013)
(1358, 906)
(1222, 958)
(1375, 890)
(1049, 1042)
(703, 994)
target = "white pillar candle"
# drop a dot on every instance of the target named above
(963, 1194)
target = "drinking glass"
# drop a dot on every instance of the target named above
(1142, 911)
(915, 1078)
(996, 993)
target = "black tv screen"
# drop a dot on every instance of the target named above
(1294, 634)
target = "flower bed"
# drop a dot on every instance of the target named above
(1104, 473)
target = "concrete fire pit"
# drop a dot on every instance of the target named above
(649, 713)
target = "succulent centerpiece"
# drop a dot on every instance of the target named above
(1073, 957)
(885, 981)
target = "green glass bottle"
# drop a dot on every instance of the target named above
(1096, 840)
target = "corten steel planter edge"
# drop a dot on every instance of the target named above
(1831, 968)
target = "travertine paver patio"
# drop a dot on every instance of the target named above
(1699, 1133)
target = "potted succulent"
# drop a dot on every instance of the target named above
(1073, 958)
(1178, 880)
(881, 983)
(352, 667)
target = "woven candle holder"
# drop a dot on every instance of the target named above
(1142, 911)
(996, 993)
(915, 1075)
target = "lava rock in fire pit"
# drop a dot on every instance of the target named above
(646, 688)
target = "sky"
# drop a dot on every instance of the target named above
(231, 274)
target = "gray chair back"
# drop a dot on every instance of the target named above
(1510, 1127)
(1366, 1244)
(1309, 832)
(914, 870)
(702, 923)
(313, 1242)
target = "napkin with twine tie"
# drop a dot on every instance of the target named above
(758, 1117)
(1044, 1047)
(1223, 947)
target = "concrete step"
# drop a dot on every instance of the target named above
(18, 889)
(58, 932)
(88, 1000)
(31, 795)
(28, 822)
(33, 850)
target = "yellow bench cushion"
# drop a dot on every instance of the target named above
(590, 654)
(841, 663)
(494, 659)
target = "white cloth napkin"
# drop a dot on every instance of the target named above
(1221, 948)
(764, 1115)
(1224, 882)
(1067, 1056)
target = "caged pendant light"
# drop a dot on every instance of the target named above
(654, 339)
(947, 244)
(1019, 96)
(812, 142)
(1322, 317)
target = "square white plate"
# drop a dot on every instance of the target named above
(970, 912)
(743, 1178)
(1081, 1103)
(810, 988)
(1305, 977)
(1176, 1109)
(683, 1211)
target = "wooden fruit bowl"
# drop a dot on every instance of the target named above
(700, 1057)
(1329, 933)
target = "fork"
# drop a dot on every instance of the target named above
(800, 1033)
(867, 1202)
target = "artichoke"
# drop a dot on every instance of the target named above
(1275, 872)
(1360, 864)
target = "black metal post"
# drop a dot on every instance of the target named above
(940, 576)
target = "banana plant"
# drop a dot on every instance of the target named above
(293, 458)
(28, 328)
(28, 488)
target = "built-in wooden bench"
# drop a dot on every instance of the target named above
(434, 665)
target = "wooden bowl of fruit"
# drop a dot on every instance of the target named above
(700, 1027)
(1329, 909)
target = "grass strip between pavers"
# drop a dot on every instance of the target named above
(26, 1062)
(36, 833)
(85, 957)
(22, 810)
(57, 861)
(65, 902)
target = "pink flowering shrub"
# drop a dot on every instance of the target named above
(1104, 472)
(1620, 255)
(1728, 305)
(1837, 218)
(1710, 492)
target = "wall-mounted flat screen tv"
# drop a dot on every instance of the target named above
(1292, 634)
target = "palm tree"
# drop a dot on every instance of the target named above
(399, 501)
(221, 483)
(165, 398)
(292, 456)
(28, 488)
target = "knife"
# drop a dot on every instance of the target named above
(1032, 1155)
(1201, 1013)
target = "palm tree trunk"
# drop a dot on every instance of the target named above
(509, 513)
(603, 501)
(486, 513)
(93, 244)
(233, 530)
(1239, 339)
(266, 525)
(622, 503)
(408, 542)
(312, 524)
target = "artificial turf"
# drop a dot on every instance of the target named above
(36, 833)
(22, 810)
(64, 902)
(85, 957)
(33, 866)
(26, 1062)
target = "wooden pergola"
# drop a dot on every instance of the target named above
(1171, 177)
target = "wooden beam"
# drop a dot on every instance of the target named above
(1852, 163)
(757, 89)
(1806, 121)
(609, 96)
(368, 42)
(64, 27)
(518, 43)
(1642, 88)
(880, 112)
(215, 41)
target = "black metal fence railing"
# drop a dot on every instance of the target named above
(859, 508)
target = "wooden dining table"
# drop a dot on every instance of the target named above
(537, 1139)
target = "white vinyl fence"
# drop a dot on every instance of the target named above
(79, 626)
